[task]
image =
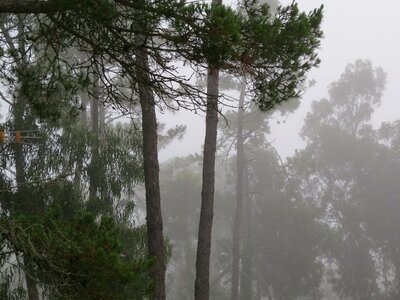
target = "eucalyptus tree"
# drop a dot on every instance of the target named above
(287, 240)
(332, 168)
(380, 203)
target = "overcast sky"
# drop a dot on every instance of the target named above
(353, 29)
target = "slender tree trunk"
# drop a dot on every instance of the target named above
(202, 284)
(95, 110)
(246, 274)
(83, 114)
(19, 158)
(22, 204)
(79, 158)
(240, 162)
(33, 293)
(94, 164)
(202, 281)
(102, 116)
(151, 175)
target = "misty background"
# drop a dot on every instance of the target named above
(352, 30)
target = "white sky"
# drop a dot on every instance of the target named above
(353, 29)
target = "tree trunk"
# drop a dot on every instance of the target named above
(23, 205)
(246, 274)
(151, 175)
(94, 164)
(79, 158)
(34, 6)
(33, 293)
(83, 114)
(207, 194)
(102, 116)
(240, 162)
(202, 281)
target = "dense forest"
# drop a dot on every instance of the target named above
(87, 211)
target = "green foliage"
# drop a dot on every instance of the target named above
(276, 50)
(223, 32)
(206, 33)
(280, 51)
(71, 254)
(78, 257)
(49, 96)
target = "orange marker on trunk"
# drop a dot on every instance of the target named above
(17, 137)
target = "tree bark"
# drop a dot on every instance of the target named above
(95, 108)
(202, 281)
(246, 274)
(154, 221)
(22, 204)
(207, 194)
(94, 164)
(102, 116)
(45, 6)
(79, 158)
(83, 113)
(240, 162)
(33, 6)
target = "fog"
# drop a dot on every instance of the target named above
(325, 205)
(352, 30)
(306, 201)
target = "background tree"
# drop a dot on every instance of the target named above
(339, 145)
